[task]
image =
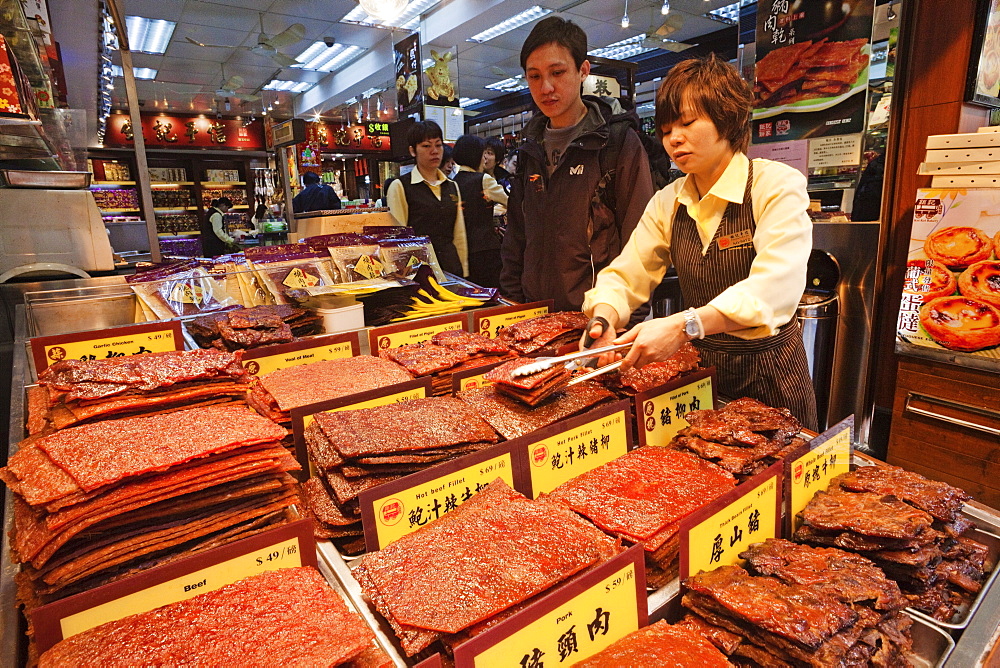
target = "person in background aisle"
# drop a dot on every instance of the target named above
(737, 232)
(257, 220)
(493, 156)
(479, 193)
(448, 166)
(215, 238)
(429, 202)
(315, 196)
(582, 177)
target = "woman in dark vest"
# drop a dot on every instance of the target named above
(215, 238)
(429, 202)
(480, 192)
(738, 234)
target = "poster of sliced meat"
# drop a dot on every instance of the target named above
(812, 64)
(409, 91)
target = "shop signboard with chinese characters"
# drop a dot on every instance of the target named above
(409, 90)
(951, 288)
(812, 69)
(661, 410)
(715, 534)
(162, 131)
(577, 620)
(814, 465)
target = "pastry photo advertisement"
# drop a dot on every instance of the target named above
(812, 69)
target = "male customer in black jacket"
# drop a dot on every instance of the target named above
(581, 183)
(315, 196)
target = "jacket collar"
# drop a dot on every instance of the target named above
(598, 114)
(416, 177)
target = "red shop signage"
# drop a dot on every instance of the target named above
(345, 138)
(160, 130)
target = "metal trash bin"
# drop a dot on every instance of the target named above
(818, 316)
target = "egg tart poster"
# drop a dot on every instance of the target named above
(812, 68)
(951, 290)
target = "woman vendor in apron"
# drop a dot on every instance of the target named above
(738, 234)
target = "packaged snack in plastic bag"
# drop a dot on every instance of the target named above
(402, 257)
(183, 288)
(388, 231)
(356, 259)
(289, 267)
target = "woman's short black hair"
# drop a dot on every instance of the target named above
(469, 151)
(499, 149)
(447, 153)
(310, 177)
(224, 201)
(421, 131)
(554, 29)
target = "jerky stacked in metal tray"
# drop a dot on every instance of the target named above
(744, 437)
(641, 496)
(289, 616)
(910, 526)
(546, 334)
(480, 563)
(803, 607)
(274, 395)
(357, 450)
(447, 353)
(73, 392)
(247, 328)
(98, 502)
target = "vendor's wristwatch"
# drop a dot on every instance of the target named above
(692, 325)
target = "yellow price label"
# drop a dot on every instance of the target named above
(368, 267)
(185, 293)
(472, 382)
(569, 453)
(396, 398)
(297, 278)
(404, 511)
(418, 333)
(106, 344)
(575, 630)
(663, 414)
(285, 554)
(490, 324)
(261, 366)
(736, 520)
(813, 471)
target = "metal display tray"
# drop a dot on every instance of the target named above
(24, 178)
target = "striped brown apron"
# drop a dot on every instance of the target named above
(774, 369)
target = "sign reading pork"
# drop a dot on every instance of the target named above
(812, 68)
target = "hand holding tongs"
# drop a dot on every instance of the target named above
(544, 363)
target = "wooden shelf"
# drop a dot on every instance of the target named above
(222, 184)
(240, 206)
(162, 209)
(154, 184)
(113, 183)
(182, 234)
(104, 211)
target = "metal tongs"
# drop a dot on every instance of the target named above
(571, 361)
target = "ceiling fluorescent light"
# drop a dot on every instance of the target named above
(464, 102)
(626, 48)
(408, 18)
(508, 85)
(516, 21)
(290, 86)
(730, 13)
(325, 58)
(149, 35)
(137, 72)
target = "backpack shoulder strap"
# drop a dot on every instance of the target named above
(608, 160)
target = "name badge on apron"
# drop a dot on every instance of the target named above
(735, 240)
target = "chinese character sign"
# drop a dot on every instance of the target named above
(812, 64)
(406, 56)
(662, 409)
(828, 456)
(186, 131)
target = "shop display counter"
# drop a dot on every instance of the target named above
(315, 223)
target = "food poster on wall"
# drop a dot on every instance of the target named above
(812, 66)
(985, 66)
(409, 94)
(951, 289)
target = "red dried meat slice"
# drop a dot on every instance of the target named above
(284, 617)
(317, 497)
(469, 343)
(865, 513)
(504, 374)
(423, 359)
(145, 403)
(410, 426)
(321, 381)
(105, 452)
(773, 68)
(643, 491)
(513, 419)
(346, 490)
(33, 476)
(499, 550)
(718, 636)
(544, 328)
(38, 408)
(940, 499)
(656, 373)
(659, 645)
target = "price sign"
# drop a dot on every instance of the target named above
(153, 337)
(570, 447)
(262, 361)
(285, 547)
(576, 621)
(813, 467)
(302, 416)
(715, 534)
(470, 379)
(661, 410)
(489, 322)
(400, 507)
(418, 331)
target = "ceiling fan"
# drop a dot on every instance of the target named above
(268, 46)
(660, 37)
(230, 87)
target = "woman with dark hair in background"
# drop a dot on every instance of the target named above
(493, 156)
(215, 239)
(479, 193)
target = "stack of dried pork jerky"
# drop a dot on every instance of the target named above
(445, 354)
(546, 334)
(656, 645)
(274, 395)
(357, 450)
(456, 575)
(72, 392)
(97, 502)
(286, 617)
(744, 437)
(910, 526)
(807, 607)
(247, 328)
(641, 496)
(530, 389)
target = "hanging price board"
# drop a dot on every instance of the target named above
(661, 410)
(813, 467)
(489, 322)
